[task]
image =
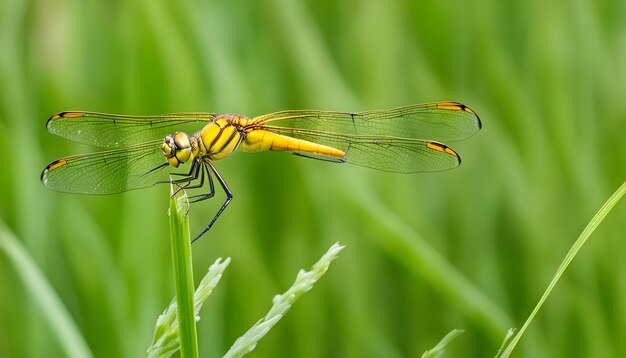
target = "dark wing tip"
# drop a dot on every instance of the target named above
(53, 119)
(456, 106)
(444, 149)
(52, 166)
(61, 115)
(479, 123)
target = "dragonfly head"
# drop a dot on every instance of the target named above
(177, 148)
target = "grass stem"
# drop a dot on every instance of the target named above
(582, 239)
(183, 273)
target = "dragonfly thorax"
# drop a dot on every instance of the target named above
(219, 139)
(177, 148)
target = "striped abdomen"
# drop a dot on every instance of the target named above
(227, 132)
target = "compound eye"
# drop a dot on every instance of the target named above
(183, 146)
(181, 140)
(183, 155)
(169, 151)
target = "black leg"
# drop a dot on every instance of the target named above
(161, 166)
(325, 158)
(210, 194)
(192, 169)
(200, 197)
(188, 177)
(188, 180)
(229, 197)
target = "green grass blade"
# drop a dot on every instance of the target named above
(438, 350)
(183, 273)
(582, 239)
(282, 303)
(43, 294)
(506, 340)
(166, 340)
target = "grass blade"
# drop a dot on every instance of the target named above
(582, 239)
(43, 294)
(166, 340)
(506, 340)
(183, 273)
(438, 350)
(282, 303)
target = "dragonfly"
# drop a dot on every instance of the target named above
(140, 152)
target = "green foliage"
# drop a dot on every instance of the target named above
(183, 273)
(580, 242)
(439, 349)
(282, 303)
(471, 248)
(47, 303)
(166, 339)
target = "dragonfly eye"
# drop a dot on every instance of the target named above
(169, 150)
(183, 146)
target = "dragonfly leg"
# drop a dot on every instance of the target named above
(197, 169)
(188, 177)
(195, 186)
(323, 159)
(229, 197)
(210, 194)
(199, 172)
(192, 170)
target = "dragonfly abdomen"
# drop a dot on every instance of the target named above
(261, 140)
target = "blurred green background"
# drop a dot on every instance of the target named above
(470, 248)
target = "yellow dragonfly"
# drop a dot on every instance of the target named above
(402, 140)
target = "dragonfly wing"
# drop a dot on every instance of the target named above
(399, 155)
(442, 121)
(402, 155)
(112, 130)
(107, 172)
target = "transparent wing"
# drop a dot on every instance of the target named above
(112, 130)
(399, 155)
(107, 172)
(443, 121)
